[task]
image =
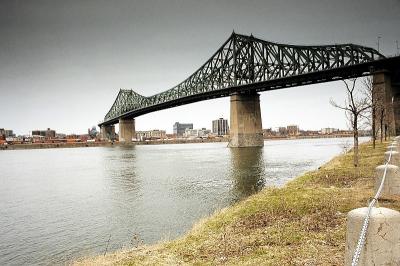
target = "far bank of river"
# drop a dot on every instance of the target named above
(154, 142)
(29, 146)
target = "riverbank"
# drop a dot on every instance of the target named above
(302, 223)
(30, 146)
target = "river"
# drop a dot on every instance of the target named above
(57, 205)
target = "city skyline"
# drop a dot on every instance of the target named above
(275, 129)
(64, 63)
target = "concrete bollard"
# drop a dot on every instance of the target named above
(392, 148)
(392, 180)
(382, 242)
(395, 159)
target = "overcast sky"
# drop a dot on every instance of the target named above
(62, 63)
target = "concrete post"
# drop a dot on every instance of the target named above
(102, 133)
(392, 148)
(382, 243)
(391, 185)
(395, 159)
(107, 132)
(126, 130)
(245, 121)
(387, 101)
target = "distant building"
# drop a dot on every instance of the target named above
(9, 133)
(170, 136)
(151, 134)
(197, 133)
(61, 136)
(179, 129)
(309, 132)
(143, 135)
(220, 127)
(268, 132)
(158, 134)
(92, 132)
(48, 134)
(328, 130)
(282, 131)
(292, 130)
(6, 133)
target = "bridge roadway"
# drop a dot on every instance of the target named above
(244, 66)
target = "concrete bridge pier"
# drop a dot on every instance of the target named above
(126, 129)
(107, 132)
(245, 121)
(386, 94)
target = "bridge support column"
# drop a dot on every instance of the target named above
(126, 130)
(107, 132)
(387, 101)
(245, 124)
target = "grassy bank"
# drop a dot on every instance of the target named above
(303, 223)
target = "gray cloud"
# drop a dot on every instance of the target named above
(63, 62)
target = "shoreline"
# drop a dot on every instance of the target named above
(32, 146)
(303, 222)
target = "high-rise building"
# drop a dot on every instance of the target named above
(6, 133)
(293, 130)
(2, 133)
(220, 127)
(49, 133)
(179, 129)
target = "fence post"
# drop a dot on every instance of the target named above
(391, 185)
(395, 159)
(382, 242)
(392, 148)
(373, 234)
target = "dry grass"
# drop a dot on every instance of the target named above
(302, 223)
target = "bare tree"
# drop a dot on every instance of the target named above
(379, 102)
(381, 114)
(355, 106)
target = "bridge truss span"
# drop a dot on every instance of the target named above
(247, 63)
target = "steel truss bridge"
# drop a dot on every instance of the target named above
(248, 64)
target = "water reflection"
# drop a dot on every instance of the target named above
(121, 169)
(247, 171)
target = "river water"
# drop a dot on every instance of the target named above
(57, 205)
